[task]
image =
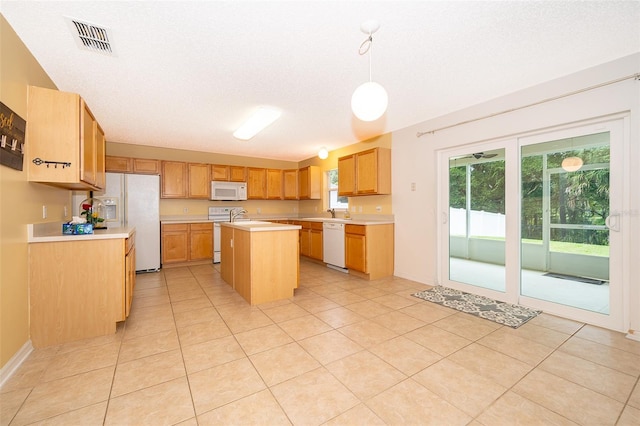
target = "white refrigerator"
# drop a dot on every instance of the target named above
(137, 204)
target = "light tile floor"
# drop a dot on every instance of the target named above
(342, 351)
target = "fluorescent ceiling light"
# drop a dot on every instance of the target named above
(260, 119)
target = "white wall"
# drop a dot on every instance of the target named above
(414, 160)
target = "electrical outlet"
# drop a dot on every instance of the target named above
(413, 186)
(378, 208)
(44, 212)
(185, 210)
(66, 211)
(360, 209)
(259, 210)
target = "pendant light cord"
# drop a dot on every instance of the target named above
(366, 46)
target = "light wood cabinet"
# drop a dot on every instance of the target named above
(251, 266)
(173, 180)
(355, 248)
(175, 243)
(226, 254)
(274, 184)
(256, 183)
(347, 175)
(118, 164)
(305, 240)
(219, 172)
(186, 242)
(129, 274)
(145, 166)
(290, 184)
(309, 183)
(228, 173)
(101, 146)
(315, 242)
(237, 173)
(199, 181)
(200, 241)
(74, 296)
(65, 143)
(369, 250)
(365, 173)
(311, 239)
(141, 166)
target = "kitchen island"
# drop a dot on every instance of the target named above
(260, 260)
(80, 286)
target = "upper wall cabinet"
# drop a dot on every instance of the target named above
(228, 173)
(174, 180)
(199, 181)
(274, 184)
(309, 183)
(290, 184)
(365, 173)
(142, 166)
(65, 144)
(256, 183)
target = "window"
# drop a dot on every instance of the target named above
(335, 202)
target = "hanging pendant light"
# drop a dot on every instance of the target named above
(369, 101)
(323, 154)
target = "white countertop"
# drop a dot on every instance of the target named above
(257, 226)
(367, 222)
(356, 221)
(52, 232)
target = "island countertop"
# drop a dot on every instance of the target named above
(52, 232)
(260, 226)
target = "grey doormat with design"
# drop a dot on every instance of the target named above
(502, 313)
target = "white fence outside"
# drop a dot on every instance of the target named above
(483, 224)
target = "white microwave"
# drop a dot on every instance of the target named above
(228, 191)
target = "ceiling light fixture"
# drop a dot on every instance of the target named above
(369, 101)
(323, 154)
(258, 121)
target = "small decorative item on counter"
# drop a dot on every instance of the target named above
(92, 210)
(77, 226)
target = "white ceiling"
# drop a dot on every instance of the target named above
(186, 73)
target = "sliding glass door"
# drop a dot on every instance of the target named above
(535, 220)
(477, 218)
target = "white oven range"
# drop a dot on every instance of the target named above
(217, 215)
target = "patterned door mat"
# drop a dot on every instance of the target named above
(502, 313)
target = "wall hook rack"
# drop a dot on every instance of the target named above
(38, 161)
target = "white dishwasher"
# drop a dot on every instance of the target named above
(333, 244)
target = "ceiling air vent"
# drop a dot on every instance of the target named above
(91, 37)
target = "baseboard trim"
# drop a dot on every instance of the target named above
(338, 268)
(15, 362)
(633, 336)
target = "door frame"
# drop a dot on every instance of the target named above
(618, 125)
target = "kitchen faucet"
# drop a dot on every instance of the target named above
(235, 213)
(333, 213)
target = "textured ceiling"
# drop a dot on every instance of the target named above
(186, 73)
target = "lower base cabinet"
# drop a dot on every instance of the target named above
(311, 239)
(186, 243)
(79, 289)
(369, 250)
